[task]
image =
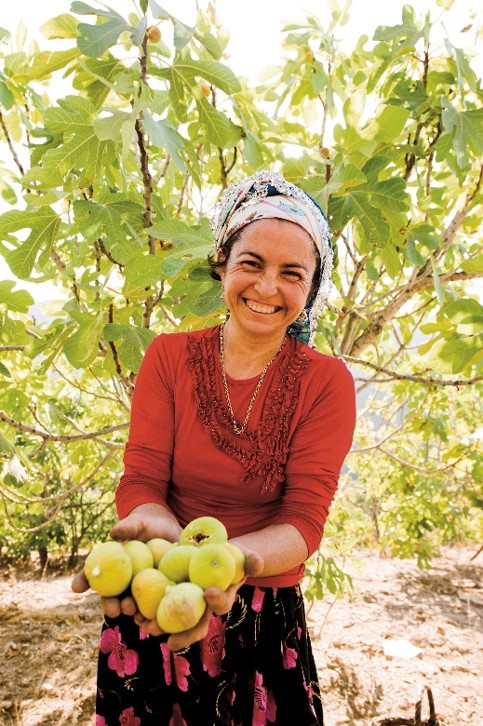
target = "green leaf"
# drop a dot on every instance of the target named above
(412, 253)
(96, 76)
(183, 255)
(466, 314)
(141, 272)
(110, 127)
(176, 91)
(94, 40)
(6, 373)
(138, 33)
(16, 300)
(120, 224)
(254, 151)
(12, 332)
(390, 123)
(406, 34)
(133, 341)
(165, 136)
(216, 73)
(211, 44)
(182, 35)
(473, 265)
(7, 99)
(177, 231)
(44, 224)
(455, 355)
(46, 63)
(158, 12)
(62, 26)
(81, 149)
(344, 178)
(391, 260)
(467, 127)
(206, 303)
(220, 131)
(422, 239)
(81, 348)
(5, 446)
(375, 205)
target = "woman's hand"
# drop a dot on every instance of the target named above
(218, 602)
(143, 523)
(139, 526)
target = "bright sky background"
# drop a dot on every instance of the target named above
(255, 35)
(255, 25)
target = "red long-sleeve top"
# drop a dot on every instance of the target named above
(182, 452)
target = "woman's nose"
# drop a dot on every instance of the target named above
(266, 284)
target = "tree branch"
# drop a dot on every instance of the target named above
(420, 469)
(64, 438)
(10, 145)
(392, 375)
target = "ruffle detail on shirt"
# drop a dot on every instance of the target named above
(263, 451)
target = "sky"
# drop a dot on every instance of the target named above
(255, 34)
(255, 25)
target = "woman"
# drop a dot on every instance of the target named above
(248, 423)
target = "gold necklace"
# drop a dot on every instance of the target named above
(240, 428)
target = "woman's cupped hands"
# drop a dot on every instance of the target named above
(146, 525)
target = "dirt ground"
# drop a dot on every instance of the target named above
(403, 629)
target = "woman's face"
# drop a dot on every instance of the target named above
(268, 276)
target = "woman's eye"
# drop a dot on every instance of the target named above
(249, 263)
(292, 275)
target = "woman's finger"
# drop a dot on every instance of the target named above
(128, 605)
(111, 606)
(220, 601)
(79, 583)
(180, 641)
(125, 529)
(150, 627)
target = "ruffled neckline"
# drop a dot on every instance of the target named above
(263, 450)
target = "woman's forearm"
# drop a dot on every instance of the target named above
(281, 546)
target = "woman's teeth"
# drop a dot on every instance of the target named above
(261, 308)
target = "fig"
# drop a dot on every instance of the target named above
(148, 587)
(175, 562)
(153, 34)
(212, 565)
(204, 530)
(140, 554)
(108, 568)
(181, 608)
(158, 547)
(239, 558)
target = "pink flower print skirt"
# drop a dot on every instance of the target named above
(254, 668)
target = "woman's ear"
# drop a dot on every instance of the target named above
(221, 260)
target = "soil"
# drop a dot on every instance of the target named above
(403, 629)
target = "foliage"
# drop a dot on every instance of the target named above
(110, 185)
(325, 576)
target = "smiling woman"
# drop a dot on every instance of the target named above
(246, 422)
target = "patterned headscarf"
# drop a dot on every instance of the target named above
(267, 195)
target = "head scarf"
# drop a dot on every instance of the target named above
(267, 195)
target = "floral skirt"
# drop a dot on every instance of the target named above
(254, 668)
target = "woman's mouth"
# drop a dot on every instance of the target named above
(257, 307)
